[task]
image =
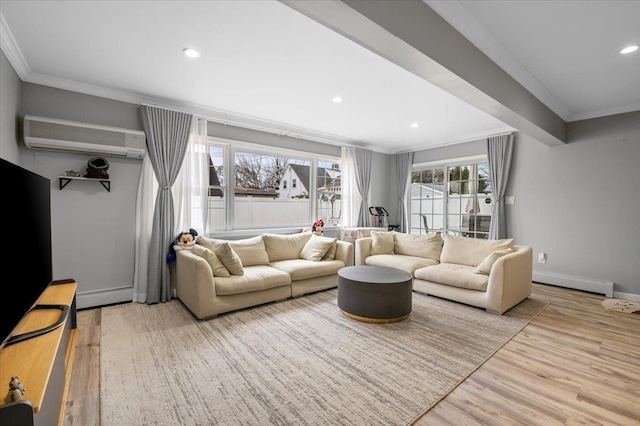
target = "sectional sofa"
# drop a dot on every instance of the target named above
(491, 274)
(217, 276)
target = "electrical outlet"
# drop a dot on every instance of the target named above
(542, 258)
(510, 199)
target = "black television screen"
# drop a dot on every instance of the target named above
(27, 262)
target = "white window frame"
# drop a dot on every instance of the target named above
(230, 148)
(445, 163)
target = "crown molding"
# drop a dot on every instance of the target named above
(9, 46)
(604, 112)
(469, 137)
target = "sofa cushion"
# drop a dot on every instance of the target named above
(301, 269)
(217, 267)
(406, 263)
(225, 253)
(455, 275)
(283, 247)
(485, 266)
(331, 253)
(381, 243)
(470, 251)
(251, 251)
(316, 248)
(255, 278)
(428, 245)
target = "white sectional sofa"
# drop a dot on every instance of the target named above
(491, 274)
(218, 276)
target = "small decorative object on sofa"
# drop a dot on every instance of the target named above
(317, 227)
(184, 240)
(16, 390)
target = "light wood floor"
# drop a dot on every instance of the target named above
(574, 364)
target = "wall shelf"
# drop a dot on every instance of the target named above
(64, 181)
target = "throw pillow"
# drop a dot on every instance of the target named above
(316, 248)
(382, 243)
(485, 266)
(217, 267)
(471, 251)
(251, 251)
(331, 253)
(427, 245)
(225, 253)
(285, 247)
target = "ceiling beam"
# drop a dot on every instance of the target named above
(413, 36)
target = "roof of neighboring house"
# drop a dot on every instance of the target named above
(324, 177)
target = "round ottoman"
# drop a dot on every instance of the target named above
(375, 294)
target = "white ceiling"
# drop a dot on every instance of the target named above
(265, 65)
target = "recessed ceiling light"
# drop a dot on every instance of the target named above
(337, 99)
(192, 53)
(415, 125)
(629, 49)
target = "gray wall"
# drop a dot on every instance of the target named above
(579, 204)
(93, 230)
(9, 105)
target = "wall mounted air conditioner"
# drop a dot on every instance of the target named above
(61, 135)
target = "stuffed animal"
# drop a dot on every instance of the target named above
(16, 390)
(317, 227)
(184, 241)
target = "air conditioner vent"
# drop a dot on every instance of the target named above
(62, 135)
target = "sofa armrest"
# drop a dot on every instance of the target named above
(344, 252)
(510, 280)
(195, 283)
(362, 250)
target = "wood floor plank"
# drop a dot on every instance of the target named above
(83, 400)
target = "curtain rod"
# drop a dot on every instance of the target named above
(280, 132)
(445, 145)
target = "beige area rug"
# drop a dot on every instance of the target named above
(297, 362)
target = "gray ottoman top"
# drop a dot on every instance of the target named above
(374, 274)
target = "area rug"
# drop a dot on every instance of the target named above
(621, 305)
(297, 362)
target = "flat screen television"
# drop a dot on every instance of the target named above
(27, 260)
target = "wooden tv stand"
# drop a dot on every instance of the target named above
(42, 363)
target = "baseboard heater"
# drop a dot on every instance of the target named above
(573, 282)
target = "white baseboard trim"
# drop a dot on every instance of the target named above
(626, 296)
(91, 299)
(576, 283)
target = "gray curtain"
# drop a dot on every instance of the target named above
(167, 140)
(362, 165)
(499, 152)
(403, 171)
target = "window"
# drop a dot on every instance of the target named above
(261, 197)
(452, 199)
